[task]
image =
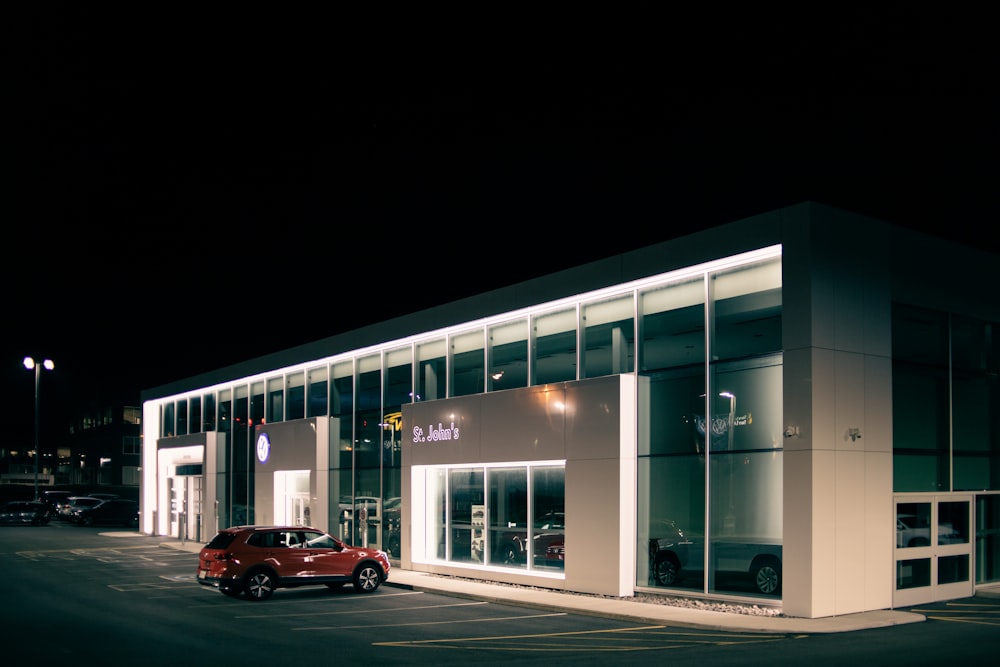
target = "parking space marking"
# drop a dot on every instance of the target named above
(402, 625)
(976, 614)
(639, 638)
(312, 613)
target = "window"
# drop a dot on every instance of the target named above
(467, 364)
(608, 336)
(555, 347)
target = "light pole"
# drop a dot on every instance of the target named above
(729, 523)
(29, 363)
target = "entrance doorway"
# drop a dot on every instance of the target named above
(291, 498)
(933, 550)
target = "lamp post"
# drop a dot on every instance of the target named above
(729, 523)
(30, 363)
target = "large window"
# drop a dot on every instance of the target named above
(608, 336)
(920, 400)
(508, 355)
(508, 516)
(555, 347)
(717, 529)
(468, 361)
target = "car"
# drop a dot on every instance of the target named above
(114, 511)
(24, 513)
(678, 553)
(67, 507)
(549, 530)
(555, 553)
(254, 561)
(914, 531)
(104, 496)
(52, 499)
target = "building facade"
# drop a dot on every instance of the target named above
(794, 408)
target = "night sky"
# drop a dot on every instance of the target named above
(206, 170)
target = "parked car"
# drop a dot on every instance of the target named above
(257, 560)
(914, 531)
(548, 529)
(115, 511)
(678, 553)
(66, 508)
(555, 553)
(52, 499)
(24, 513)
(104, 496)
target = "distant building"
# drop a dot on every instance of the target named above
(798, 408)
(101, 446)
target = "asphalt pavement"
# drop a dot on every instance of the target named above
(626, 608)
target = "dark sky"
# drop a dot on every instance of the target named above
(180, 181)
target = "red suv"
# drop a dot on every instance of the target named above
(257, 560)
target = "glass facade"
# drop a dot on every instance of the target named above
(706, 350)
(710, 478)
(946, 445)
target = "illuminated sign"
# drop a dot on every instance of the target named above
(263, 447)
(440, 432)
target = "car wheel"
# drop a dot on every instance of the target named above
(667, 570)
(259, 585)
(230, 591)
(510, 554)
(367, 578)
(767, 576)
(86, 521)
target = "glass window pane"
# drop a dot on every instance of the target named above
(468, 363)
(953, 522)
(195, 420)
(257, 403)
(431, 370)
(317, 392)
(554, 358)
(398, 377)
(467, 511)
(275, 399)
(508, 353)
(913, 525)
(508, 516)
(182, 417)
(609, 336)
(342, 412)
(747, 311)
(295, 395)
(208, 413)
(673, 326)
(975, 399)
(168, 425)
(672, 521)
(914, 573)
(920, 400)
(546, 541)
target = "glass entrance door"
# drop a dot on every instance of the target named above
(933, 550)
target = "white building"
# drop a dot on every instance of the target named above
(839, 376)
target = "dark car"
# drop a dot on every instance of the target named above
(67, 508)
(52, 499)
(548, 531)
(678, 553)
(24, 513)
(257, 560)
(111, 512)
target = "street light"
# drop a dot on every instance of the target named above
(29, 363)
